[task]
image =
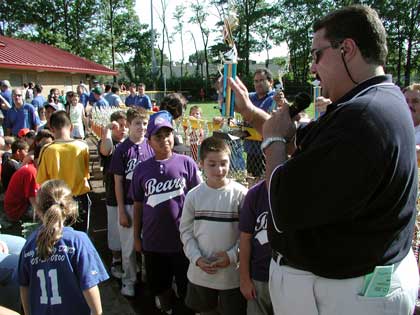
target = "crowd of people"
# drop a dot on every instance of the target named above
(328, 232)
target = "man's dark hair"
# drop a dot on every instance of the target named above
(213, 144)
(19, 145)
(360, 23)
(59, 120)
(266, 72)
(38, 88)
(142, 85)
(108, 87)
(115, 89)
(119, 114)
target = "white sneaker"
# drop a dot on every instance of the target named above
(128, 290)
(116, 269)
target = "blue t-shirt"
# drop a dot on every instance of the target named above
(24, 117)
(101, 103)
(265, 103)
(162, 186)
(113, 99)
(56, 284)
(91, 98)
(253, 220)
(38, 101)
(83, 98)
(144, 101)
(130, 100)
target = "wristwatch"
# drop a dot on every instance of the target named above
(268, 141)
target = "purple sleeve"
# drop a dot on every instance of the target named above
(247, 215)
(117, 162)
(194, 179)
(136, 189)
(89, 265)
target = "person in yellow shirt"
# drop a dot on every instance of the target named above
(67, 159)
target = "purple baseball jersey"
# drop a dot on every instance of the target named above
(125, 159)
(253, 220)
(56, 284)
(161, 186)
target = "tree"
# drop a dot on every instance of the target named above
(199, 17)
(179, 28)
(402, 22)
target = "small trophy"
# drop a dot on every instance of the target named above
(230, 63)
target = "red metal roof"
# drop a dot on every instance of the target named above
(27, 55)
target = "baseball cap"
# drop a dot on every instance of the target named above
(23, 132)
(52, 105)
(157, 121)
(97, 90)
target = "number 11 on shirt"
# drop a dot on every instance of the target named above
(52, 274)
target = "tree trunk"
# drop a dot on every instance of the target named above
(170, 52)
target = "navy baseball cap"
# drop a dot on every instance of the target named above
(159, 120)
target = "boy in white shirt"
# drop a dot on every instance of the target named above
(210, 234)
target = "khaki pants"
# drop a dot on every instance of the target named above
(294, 291)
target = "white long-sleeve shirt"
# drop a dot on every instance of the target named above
(209, 224)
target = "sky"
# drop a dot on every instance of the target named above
(143, 11)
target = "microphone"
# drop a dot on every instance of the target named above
(302, 102)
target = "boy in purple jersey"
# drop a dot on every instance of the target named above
(255, 251)
(59, 268)
(210, 234)
(134, 150)
(159, 187)
(113, 135)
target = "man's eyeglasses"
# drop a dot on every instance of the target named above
(317, 53)
(18, 95)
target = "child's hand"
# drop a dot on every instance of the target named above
(137, 245)
(222, 260)
(248, 289)
(206, 266)
(124, 221)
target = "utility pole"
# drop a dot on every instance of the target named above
(111, 23)
(152, 39)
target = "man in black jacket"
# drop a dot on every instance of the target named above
(345, 247)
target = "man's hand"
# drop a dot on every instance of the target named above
(248, 289)
(279, 124)
(206, 266)
(124, 220)
(279, 99)
(242, 102)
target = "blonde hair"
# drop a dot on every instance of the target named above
(412, 87)
(56, 205)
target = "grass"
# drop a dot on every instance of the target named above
(209, 111)
(207, 108)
